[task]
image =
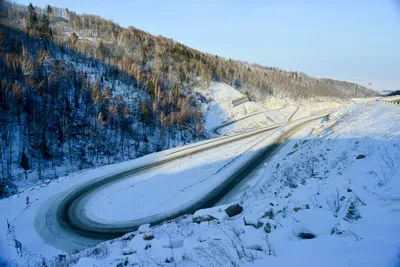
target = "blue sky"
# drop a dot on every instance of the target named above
(355, 40)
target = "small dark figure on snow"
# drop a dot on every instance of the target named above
(8, 226)
(27, 200)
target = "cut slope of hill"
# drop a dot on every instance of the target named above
(220, 108)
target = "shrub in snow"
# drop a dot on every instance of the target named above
(302, 207)
(256, 225)
(337, 230)
(169, 260)
(269, 214)
(290, 176)
(352, 213)
(334, 204)
(267, 228)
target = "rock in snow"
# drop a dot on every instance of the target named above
(234, 210)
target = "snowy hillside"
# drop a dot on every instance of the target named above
(78, 91)
(224, 118)
(329, 197)
(220, 110)
(62, 111)
(122, 148)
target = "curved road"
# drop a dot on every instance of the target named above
(61, 222)
(217, 129)
(53, 221)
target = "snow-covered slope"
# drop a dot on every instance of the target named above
(224, 93)
(258, 120)
(329, 198)
(225, 118)
(337, 185)
(219, 109)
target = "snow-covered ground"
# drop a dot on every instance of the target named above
(186, 179)
(28, 224)
(225, 119)
(339, 183)
(219, 109)
(309, 108)
(329, 198)
(258, 120)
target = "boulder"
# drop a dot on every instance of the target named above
(257, 225)
(148, 236)
(306, 235)
(234, 210)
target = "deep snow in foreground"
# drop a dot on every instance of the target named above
(339, 184)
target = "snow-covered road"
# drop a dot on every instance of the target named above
(329, 197)
(257, 120)
(192, 179)
(73, 213)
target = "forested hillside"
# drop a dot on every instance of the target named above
(78, 91)
(62, 110)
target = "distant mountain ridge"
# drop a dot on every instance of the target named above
(143, 55)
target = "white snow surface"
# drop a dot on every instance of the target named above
(181, 182)
(223, 92)
(178, 178)
(340, 182)
(259, 119)
(219, 109)
(291, 198)
(227, 120)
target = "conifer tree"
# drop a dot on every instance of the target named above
(33, 20)
(49, 11)
(45, 30)
(2, 10)
(352, 213)
(25, 163)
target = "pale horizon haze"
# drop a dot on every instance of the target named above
(355, 40)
